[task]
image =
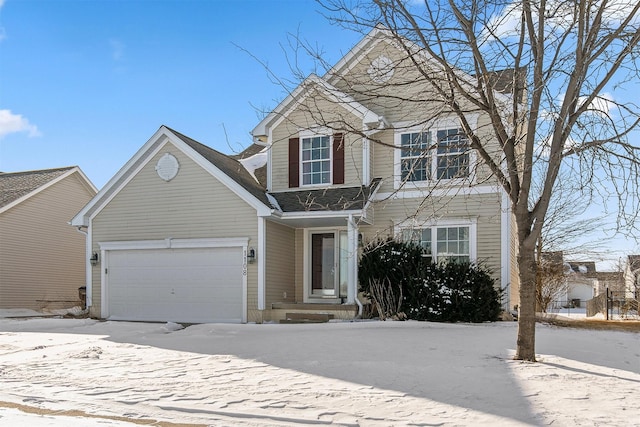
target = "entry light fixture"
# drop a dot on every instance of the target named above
(94, 259)
(251, 255)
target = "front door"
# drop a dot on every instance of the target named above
(323, 265)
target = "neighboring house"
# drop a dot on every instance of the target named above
(632, 278)
(582, 282)
(42, 259)
(188, 234)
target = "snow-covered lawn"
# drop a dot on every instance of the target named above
(344, 374)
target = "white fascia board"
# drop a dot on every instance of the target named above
(361, 48)
(300, 94)
(263, 128)
(147, 152)
(371, 40)
(103, 199)
(47, 185)
(82, 218)
(85, 180)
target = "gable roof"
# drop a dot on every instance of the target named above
(230, 172)
(15, 187)
(226, 169)
(583, 267)
(229, 165)
(369, 117)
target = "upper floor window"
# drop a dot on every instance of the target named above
(416, 165)
(434, 155)
(452, 154)
(316, 160)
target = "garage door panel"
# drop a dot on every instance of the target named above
(182, 285)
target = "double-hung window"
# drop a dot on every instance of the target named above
(415, 154)
(316, 160)
(448, 243)
(434, 155)
(452, 154)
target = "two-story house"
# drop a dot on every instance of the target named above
(185, 233)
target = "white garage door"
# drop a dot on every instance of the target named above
(194, 285)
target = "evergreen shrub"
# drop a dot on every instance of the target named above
(445, 292)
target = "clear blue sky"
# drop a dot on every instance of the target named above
(93, 80)
(87, 83)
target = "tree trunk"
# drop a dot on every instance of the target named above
(526, 344)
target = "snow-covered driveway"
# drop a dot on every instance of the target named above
(352, 374)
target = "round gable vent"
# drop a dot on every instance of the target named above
(167, 167)
(381, 69)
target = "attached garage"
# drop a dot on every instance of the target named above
(189, 281)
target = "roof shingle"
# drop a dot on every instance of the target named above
(14, 185)
(326, 199)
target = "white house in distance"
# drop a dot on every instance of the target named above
(632, 278)
(185, 233)
(42, 259)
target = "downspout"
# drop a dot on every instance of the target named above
(87, 270)
(352, 237)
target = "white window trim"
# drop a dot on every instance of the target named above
(310, 133)
(471, 223)
(432, 127)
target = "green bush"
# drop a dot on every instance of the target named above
(445, 292)
(454, 292)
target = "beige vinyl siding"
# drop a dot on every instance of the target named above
(192, 205)
(280, 267)
(383, 159)
(385, 156)
(42, 258)
(302, 119)
(393, 98)
(408, 101)
(484, 209)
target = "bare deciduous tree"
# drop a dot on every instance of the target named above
(560, 118)
(551, 279)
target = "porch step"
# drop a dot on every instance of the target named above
(311, 313)
(307, 318)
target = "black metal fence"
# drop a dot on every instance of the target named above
(613, 304)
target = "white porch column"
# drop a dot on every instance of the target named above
(352, 260)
